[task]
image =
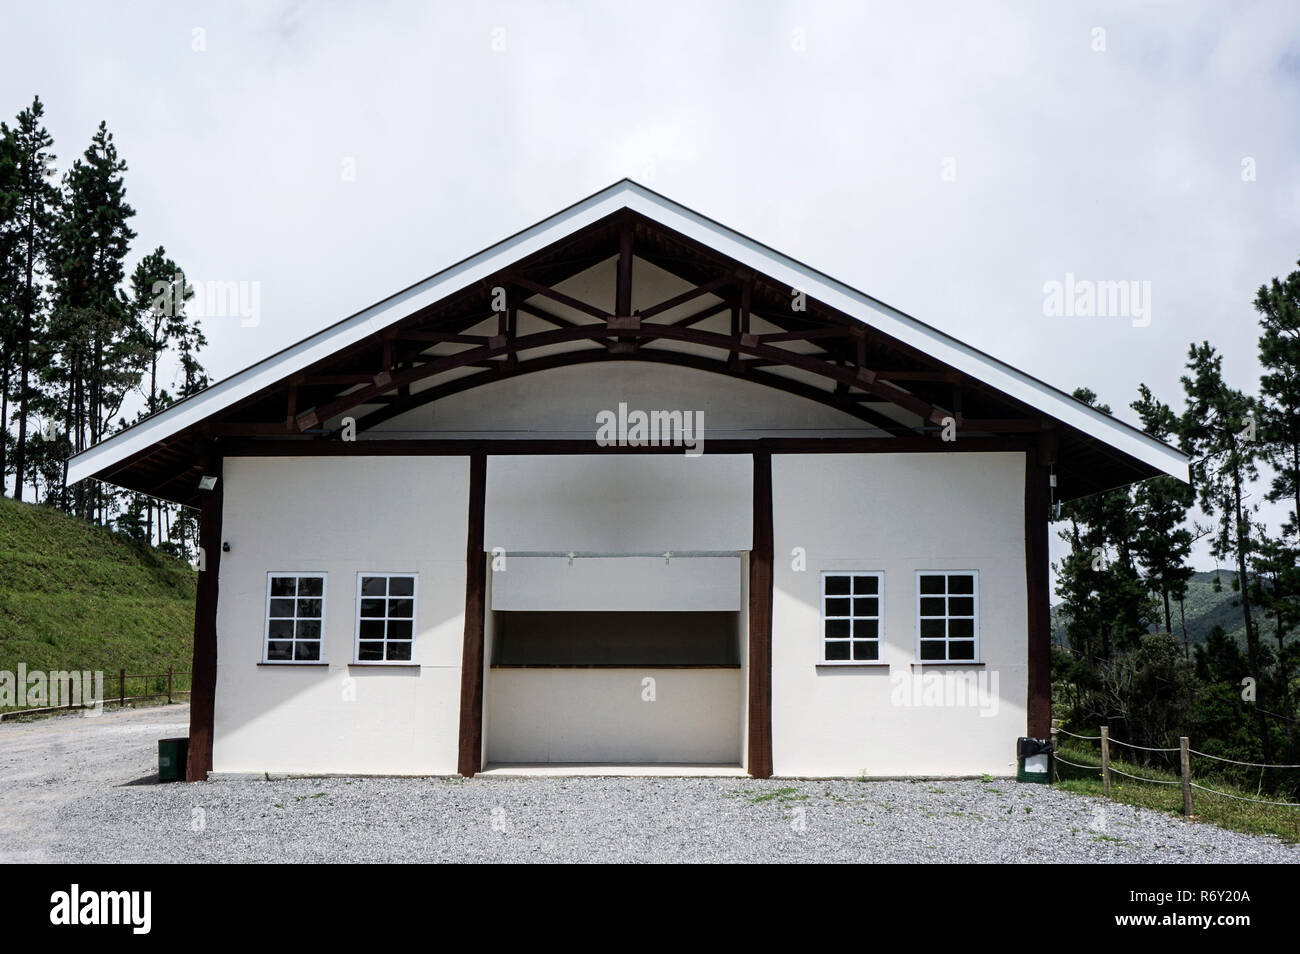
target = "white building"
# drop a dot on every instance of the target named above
(626, 488)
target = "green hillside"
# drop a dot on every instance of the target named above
(1205, 607)
(76, 596)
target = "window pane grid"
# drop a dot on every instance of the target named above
(385, 616)
(851, 617)
(295, 616)
(947, 616)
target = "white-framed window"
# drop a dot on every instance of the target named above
(852, 616)
(947, 615)
(295, 617)
(386, 616)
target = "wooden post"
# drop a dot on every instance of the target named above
(1105, 760)
(1185, 758)
(203, 674)
(470, 753)
(760, 622)
(1039, 646)
(169, 685)
(1052, 757)
(121, 688)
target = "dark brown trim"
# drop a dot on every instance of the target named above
(308, 447)
(203, 685)
(471, 671)
(1036, 583)
(760, 622)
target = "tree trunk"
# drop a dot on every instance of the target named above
(1182, 615)
(1252, 635)
(4, 420)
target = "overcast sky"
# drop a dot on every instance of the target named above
(949, 159)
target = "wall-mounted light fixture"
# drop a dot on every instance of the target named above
(207, 482)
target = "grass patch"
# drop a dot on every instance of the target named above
(1227, 813)
(77, 596)
(780, 795)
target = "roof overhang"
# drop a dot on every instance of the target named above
(110, 459)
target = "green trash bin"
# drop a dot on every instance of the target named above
(172, 756)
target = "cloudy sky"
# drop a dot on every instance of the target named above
(949, 159)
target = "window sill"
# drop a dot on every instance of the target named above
(294, 665)
(851, 664)
(952, 664)
(384, 665)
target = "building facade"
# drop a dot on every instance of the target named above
(626, 489)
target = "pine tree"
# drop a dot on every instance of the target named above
(158, 292)
(1163, 542)
(8, 285)
(1279, 390)
(1278, 305)
(101, 358)
(1103, 597)
(1219, 431)
(35, 205)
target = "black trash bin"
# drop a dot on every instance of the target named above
(172, 756)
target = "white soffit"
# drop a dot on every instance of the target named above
(628, 194)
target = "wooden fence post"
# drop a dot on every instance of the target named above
(169, 685)
(1186, 759)
(1105, 760)
(121, 688)
(1055, 726)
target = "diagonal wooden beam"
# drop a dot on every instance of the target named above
(688, 295)
(547, 292)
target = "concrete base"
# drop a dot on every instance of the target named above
(656, 769)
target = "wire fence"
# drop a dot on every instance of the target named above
(68, 690)
(1184, 771)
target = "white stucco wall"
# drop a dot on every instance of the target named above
(340, 517)
(898, 514)
(600, 716)
(619, 503)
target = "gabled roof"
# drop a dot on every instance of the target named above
(106, 460)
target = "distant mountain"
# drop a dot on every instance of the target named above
(1205, 607)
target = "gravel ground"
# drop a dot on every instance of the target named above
(82, 790)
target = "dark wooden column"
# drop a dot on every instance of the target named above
(760, 622)
(203, 685)
(471, 672)
(1037, 491)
